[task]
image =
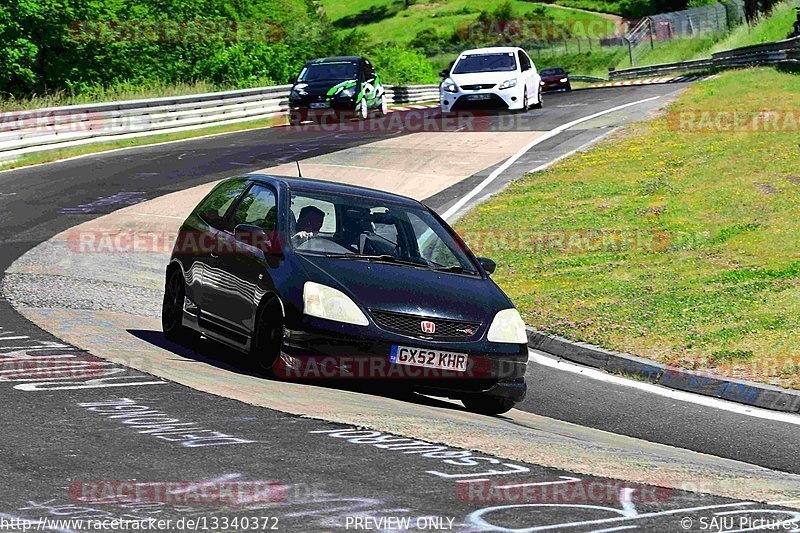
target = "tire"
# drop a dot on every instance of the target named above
(267, 341)
(172, 308)
(487, 405)
(362, 110)
(539, 104)
(383, 108)
(295, 118)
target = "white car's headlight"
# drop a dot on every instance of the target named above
(507, 326)
(509, 83)
(563, 80)
(326, 302)
(450, 86)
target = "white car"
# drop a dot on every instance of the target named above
(498, 77)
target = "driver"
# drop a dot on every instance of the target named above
(308, 223)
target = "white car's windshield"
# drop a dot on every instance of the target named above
(494, 62)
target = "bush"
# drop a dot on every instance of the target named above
(398, 65)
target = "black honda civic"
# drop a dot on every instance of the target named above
(312, 279)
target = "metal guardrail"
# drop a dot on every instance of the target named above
(23, 132)
(786, 52)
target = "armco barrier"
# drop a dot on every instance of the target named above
(786, 52)
(23, 132)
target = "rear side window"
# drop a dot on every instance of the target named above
(213, 209)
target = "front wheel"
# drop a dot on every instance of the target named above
(487, 405)
(362, 110)
(265, 347)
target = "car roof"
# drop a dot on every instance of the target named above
(316, 185)
(492, 50)
(351, 59)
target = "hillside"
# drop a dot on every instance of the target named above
(392, 20)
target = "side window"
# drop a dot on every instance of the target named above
(213, 209)
(369, 72)
(258, 207)
(524, 62)
(327, 208)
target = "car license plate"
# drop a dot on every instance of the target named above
(320, 105)
(478, 96)
(404, 355)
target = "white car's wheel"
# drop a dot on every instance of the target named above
(384, 107)
(539, 103)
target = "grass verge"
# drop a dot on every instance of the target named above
(664, 241)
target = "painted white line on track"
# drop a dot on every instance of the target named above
(705, 401)
(513, 159)
(571, 152)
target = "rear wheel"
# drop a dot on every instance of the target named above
(265, 347)
(487, 405)
(172, 308)
(383, 108)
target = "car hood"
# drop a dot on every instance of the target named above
(483, 78)
(404, 289)
(323, 88)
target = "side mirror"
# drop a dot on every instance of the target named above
(256, 237)
(444, 74)
(488, 265)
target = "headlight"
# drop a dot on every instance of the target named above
(347, 93)
(326, 302)
(509, 83)
(450, 86)
(563, 80)
(507, 326)
(297, 94)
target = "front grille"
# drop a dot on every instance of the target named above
(478, 86)
(411, 325)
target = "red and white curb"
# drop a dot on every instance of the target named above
(650, 81)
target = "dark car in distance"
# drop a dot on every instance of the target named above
(297, 273)
(344, 87)
(555, 79)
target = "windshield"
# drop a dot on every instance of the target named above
(552, 71)
(371, 229)
(344, 70)
(498, 62)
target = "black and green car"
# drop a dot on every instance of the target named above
(344, 86)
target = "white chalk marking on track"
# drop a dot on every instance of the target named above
(513, 159)
(705, 401)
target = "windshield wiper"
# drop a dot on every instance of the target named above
(384, 258)
(457, 269)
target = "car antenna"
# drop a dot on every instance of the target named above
(299, 172)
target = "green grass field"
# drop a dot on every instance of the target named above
(390, 20)
(663, 241)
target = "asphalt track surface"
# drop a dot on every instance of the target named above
(58, 439)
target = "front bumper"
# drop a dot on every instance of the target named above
(489, 99)
(556, 86)
(318, 350)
